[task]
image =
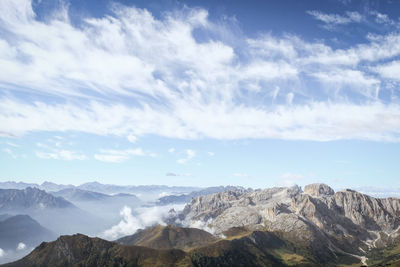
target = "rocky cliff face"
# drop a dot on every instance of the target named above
(30, 198)
(318, 190)
(343, 221)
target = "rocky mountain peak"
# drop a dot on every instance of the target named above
(30, 198)
(318, 190)
(348, 219)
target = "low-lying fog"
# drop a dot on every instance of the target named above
(109, 218)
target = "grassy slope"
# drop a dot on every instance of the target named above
(241, 247)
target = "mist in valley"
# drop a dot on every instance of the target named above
(71, 211)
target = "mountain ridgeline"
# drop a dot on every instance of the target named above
(22, 229)
(54, 213)
(169, 237)
(185, 198)
(282, 226)
(28, 199)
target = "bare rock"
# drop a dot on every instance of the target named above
(318, 190)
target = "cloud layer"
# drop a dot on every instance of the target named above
(138, 219)
(131, 74)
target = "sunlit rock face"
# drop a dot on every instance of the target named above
(318, 214)
(317, 190)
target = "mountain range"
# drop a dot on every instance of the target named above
(78, 195)
(345, 222)
(30, 199)
(54, 213)
(186, 198)
(146, 192)
(281, 226)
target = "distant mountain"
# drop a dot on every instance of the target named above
(75, 194)
(16, 185)
(145, 192)
(52, 187)
(115, 189)
(22, 228)
(186, 198)
(29, 198)
(168, 237)
(54, 213)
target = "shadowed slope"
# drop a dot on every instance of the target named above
(167, 237)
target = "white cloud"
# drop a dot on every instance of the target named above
(390, 70)
(50, 152)
(61, 154)
(116, 156)
(177, 174)
(382, 18)
(132, 138)
(2, 253)
(203, 225)
(12, 144)
(289, 98)
(127, 226)
(335, 19)
(316, 121)
(139, 219)
(10, 152)
(189, 155)
(171, 150)
(21, 246)
(347, 76)
(171, 91)
(211, 154)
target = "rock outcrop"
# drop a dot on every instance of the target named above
(345, 219)
(317, 190)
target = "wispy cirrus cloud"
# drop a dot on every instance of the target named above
(178, 174)
(336, 19)
(189, 154)
(369, 18)
(62, 154)
(179, 86)
(117, 156)
(54, 150)
(10, 152)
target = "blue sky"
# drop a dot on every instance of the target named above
(255, 93)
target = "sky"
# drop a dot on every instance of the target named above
(201, 93)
